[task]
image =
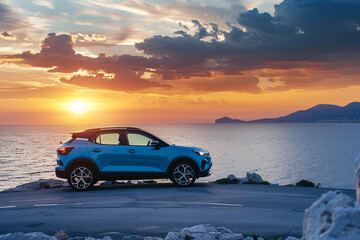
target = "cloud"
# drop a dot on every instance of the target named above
(58, 55)
(8, 19)
(317, 35)
(7, 36)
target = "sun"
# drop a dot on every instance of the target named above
(78, 107)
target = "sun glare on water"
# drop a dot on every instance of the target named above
(78, 107)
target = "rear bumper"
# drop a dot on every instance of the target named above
(60, 173)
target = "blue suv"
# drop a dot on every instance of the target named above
(127, 153)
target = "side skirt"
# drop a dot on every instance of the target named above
(130, 176)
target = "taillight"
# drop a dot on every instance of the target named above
(64, 150)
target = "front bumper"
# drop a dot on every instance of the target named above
(206, 172)
(60, 173)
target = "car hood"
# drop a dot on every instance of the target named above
(187, 148)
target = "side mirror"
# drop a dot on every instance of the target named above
(155, 144)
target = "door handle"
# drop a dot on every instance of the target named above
(131, 151)
(96, 150)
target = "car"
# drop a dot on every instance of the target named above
(127, 153)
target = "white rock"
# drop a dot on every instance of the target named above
(200, 232)
(152, 238)
(26, 236)
(357, 178)
(227, 236)
(254, 177)
(333, 216)
(173, 236)
(231, 177)
(132, 237)
(292, 238)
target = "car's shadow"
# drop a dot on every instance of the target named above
(142, 186)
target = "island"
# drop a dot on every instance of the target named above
(319, 113)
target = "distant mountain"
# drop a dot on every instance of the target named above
(319, 113)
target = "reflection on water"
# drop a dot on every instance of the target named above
(281, 153)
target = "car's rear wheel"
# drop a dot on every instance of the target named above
(81, 178)
(183, 174)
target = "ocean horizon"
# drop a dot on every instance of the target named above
(282, 153)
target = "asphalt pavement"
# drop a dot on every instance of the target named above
(156, 209)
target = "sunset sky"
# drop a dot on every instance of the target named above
(174, 61)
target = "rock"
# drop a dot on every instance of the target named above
(292, 238)
(24, 187)
(231, 177)
(109, 182)
(132, 237)
(243, 180)
(152, 238)
(248, 238)
(173, 236)
(66, 184)
(357, 178)
(254, 178)
(41, 183)
(204, 232)
(105, 238)
(139, 182)
(61, 235)
(26, 236)
(50, 183)
(149, 182)
(227, 236)
(333, 216)
(128, 182)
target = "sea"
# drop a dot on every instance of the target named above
(282, 153)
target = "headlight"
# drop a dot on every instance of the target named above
(202, 152)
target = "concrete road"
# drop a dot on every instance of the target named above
(155, 209)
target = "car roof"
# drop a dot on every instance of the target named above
(88, 132)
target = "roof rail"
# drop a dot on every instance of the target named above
(109, 128)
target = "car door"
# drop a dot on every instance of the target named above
(141, 157)
(108, 152)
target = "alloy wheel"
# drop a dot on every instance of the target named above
(184, 174)
(81, 178)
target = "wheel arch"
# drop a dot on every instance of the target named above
(85, 161)
(184, 159)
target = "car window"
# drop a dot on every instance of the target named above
(108, 139)
(137, 139)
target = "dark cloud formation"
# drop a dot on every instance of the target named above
(320, 35)
(8, 19)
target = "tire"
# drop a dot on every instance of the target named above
(81, 177)
(183, 174)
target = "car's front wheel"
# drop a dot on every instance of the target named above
(81, 178)
(183, 174)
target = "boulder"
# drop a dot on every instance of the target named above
(231, 177)
(254, 178)
(243, 180)
(50, 183)
(292, 238)
(61, 235)
(40, 184)
(26, 236)
(357, 178)
(204, 232)
(132, 237)
(333, 216)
